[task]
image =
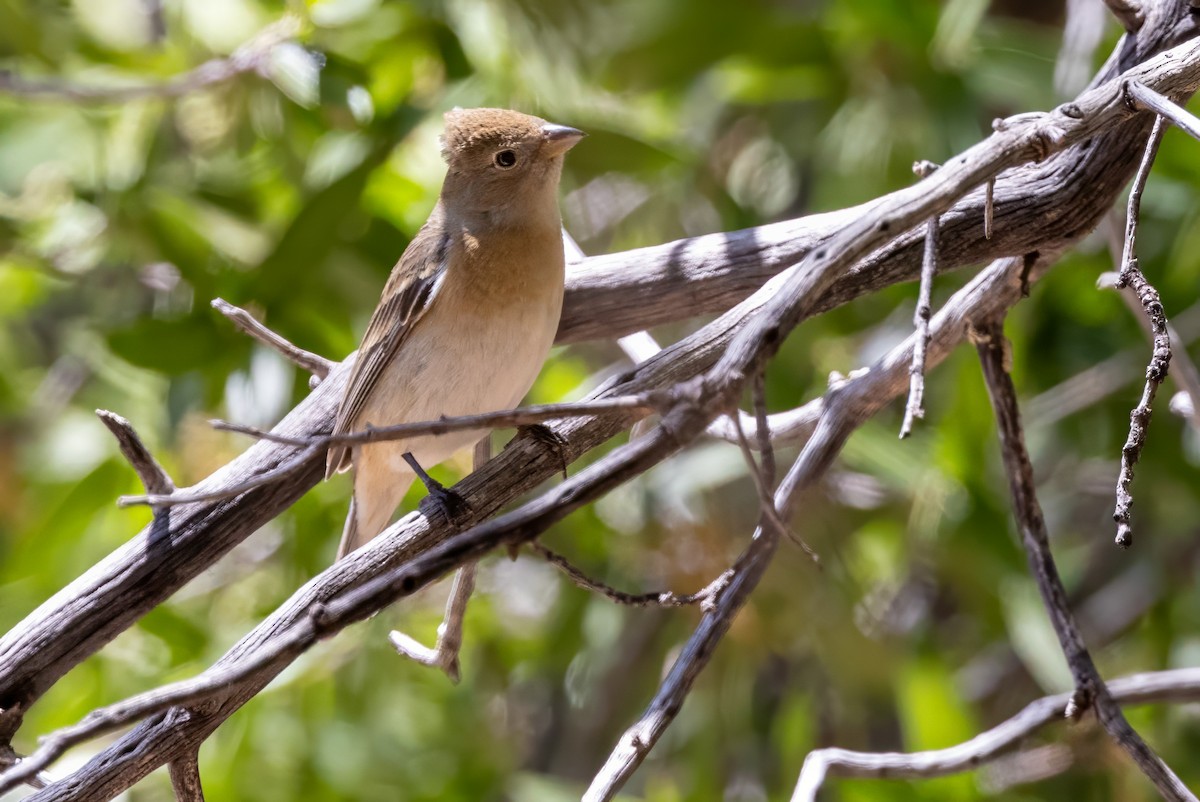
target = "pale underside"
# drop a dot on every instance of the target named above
(484, 356)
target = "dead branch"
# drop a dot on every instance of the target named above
(315, 364)
(1090, 690)
(581, 579)
(154, 477)
(1131, 276)
(915, 408)
(185, 779)
(1179, 685)
(843, 409)
(1146, 99)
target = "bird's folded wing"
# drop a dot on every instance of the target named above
(406, 297)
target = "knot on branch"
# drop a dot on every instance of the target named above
(1079, 703)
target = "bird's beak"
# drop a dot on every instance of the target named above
(558, 139)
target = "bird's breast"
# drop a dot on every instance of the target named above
(481, 344)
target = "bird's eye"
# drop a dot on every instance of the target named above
(505, 159)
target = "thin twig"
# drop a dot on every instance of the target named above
(638, 404)
(768, 513)
(637, 741)
(1090, 690)
(581, 579)
(915, 408)
(253, 56)
(1146, 99)
(185, 778)
(1160, 359)
(1178, 685)
(10, 758)
(501, 419)
(154, 478)
(315, 364)
(762, 427)
(1183, 370)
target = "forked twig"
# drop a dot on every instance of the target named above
(1090, 690)
(1160, 359)
(315, 364)
(1177, 685)
(154, 477)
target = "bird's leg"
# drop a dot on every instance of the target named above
(547, 436)
(444, 654)
(450, 504)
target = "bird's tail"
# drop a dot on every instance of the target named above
(349, 540)
(371, 507)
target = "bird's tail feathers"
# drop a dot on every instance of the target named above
(349, 540)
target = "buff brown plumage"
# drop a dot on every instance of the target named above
(470, 310)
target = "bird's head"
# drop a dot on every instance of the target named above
(500, 160)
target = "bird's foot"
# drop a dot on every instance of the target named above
(453, 507)
(547, 436)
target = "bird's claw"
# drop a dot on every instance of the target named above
(452, 506)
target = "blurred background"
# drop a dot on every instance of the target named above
(292, 184)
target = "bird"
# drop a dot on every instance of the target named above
(469, 313)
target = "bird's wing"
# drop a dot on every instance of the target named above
(405, 299)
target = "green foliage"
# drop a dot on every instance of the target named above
(293, 193)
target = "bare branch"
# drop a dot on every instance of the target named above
(1090, 690)
(762, 428)
(253, 56)
(640, 738)
(642, 404)
(185, 778)
(915, 408)
(315, 364)
(154, 477)
(1131, 275)
(662, 599)
(1146, 99)
(10, 758)
(768, 514)
(444, 653)
(1161, 686)
(317, 444)
(701, 275)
